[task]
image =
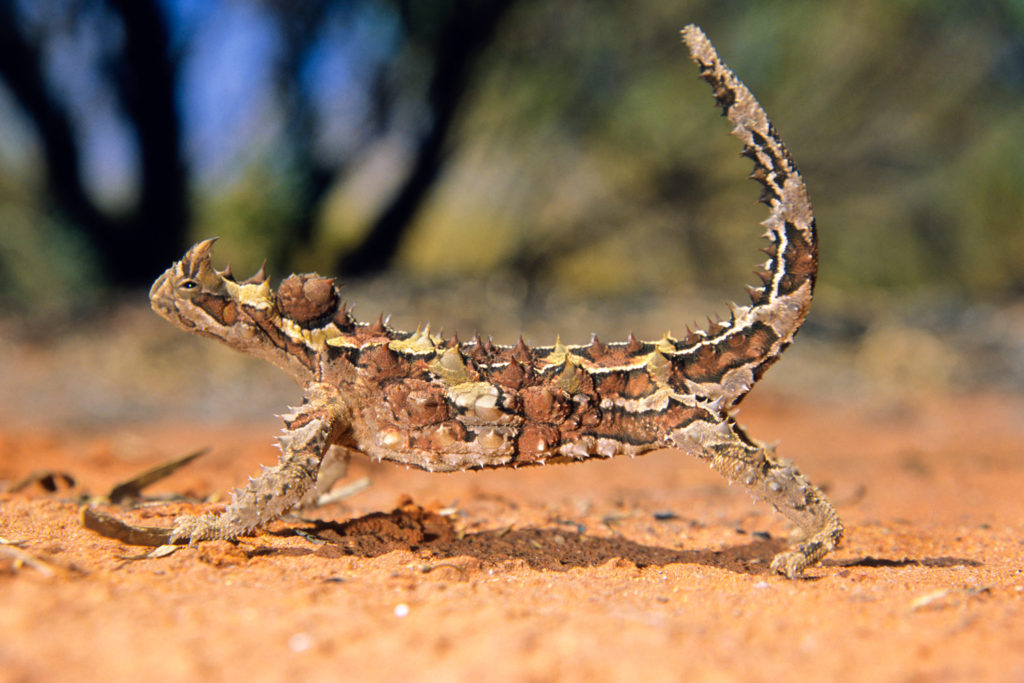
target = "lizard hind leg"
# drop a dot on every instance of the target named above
(729, 451)
(308, 435)
(333, 467)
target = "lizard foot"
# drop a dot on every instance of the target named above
(195, 528)
(791, 563)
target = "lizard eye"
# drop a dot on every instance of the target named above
(189, 285)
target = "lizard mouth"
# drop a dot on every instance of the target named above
(160, 301)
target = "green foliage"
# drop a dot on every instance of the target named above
(987, 209)
(45, 268)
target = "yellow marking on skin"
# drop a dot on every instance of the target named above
(658, 367)
(292, 329)
(666, 345)
(419, 344)
(466, 395)
(480, 403)
(257, 296)
(451, 368)
(315, 338)
(571, 376)
(343, 341)
(558, 353)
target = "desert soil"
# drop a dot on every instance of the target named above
(647, 569)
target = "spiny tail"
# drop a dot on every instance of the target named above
(724, 361)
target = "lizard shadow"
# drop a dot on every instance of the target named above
(547, 548)
(870, 561)
(554, 548)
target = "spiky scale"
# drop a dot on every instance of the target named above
(378, 327)
(521, 352)
(259, 277)
(633, 344)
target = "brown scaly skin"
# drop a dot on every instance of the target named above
(445, 405)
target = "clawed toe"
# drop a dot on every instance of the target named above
(790, 564)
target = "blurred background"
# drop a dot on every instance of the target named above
(504, 165)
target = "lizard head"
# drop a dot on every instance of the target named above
(248, 315)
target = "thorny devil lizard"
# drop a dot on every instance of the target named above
(443, 406)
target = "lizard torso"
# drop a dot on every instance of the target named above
(445, 404)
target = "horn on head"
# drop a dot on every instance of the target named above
(200, 251)
(196, 264)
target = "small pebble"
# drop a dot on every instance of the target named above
(300, 642)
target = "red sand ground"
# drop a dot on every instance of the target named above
(646, 569)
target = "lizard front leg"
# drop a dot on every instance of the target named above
(729, 451)
(309, 433)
